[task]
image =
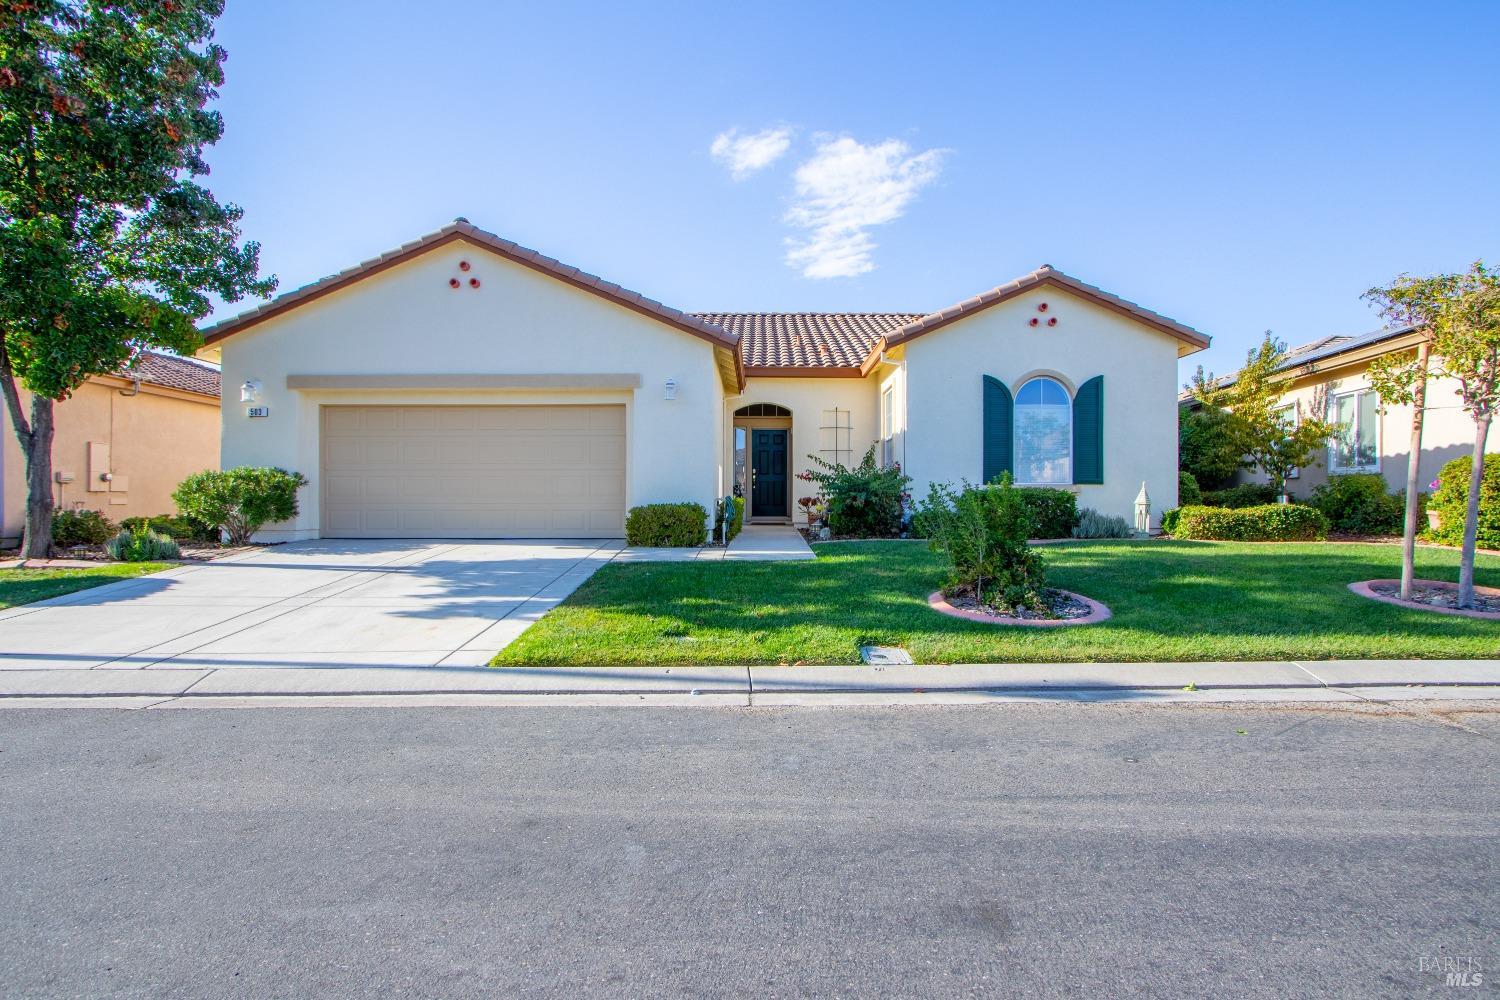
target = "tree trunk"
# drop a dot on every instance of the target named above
(1413, 475)
(37, 540)
(1471, 517)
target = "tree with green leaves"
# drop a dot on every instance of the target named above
(107, 244)
(1274, 437)
(1208, 447)
(1463, 317)
(1401, 379)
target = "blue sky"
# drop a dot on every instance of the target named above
(1239, 167)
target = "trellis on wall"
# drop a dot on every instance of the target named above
(837, 436)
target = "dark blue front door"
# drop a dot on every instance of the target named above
(768, 480)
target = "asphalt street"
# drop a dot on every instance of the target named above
(1010, 850)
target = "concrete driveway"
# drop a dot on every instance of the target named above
(402, 603)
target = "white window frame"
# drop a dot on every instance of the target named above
(1333, 450)
(887, 426)
(1015, 439)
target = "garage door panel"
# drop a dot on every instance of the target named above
(474, 471)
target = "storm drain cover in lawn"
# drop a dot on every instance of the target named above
(884, 656)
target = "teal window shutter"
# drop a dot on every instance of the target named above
(1088, 432)
(999, 429)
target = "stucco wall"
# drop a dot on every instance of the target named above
(809, 399)
(407, 320)
(156, 439)
(944, 396)
(1447, 431)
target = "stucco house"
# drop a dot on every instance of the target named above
(464, 386)
(1331, 375)
(123, 442)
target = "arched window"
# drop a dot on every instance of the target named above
(763, 410)
(1044, 433)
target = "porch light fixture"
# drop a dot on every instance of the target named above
(250, 391)
(671, 387)
(1143, 512)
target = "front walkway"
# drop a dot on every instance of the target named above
(754, 543)
(370, 604)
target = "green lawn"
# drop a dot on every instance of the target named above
(1171, 601)
(23, 586)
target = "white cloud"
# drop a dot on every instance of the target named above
(746, 154)
(845, 188)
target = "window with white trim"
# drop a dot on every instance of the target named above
(888, 427)
(1355, 446)
(1044, 433)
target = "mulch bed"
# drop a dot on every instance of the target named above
(190, 552)
(1423, 592)
(1060, 603)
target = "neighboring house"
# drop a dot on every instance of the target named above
(1332, 375)
(462, 386)
(123, 442)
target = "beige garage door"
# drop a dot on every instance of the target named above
(473, 471)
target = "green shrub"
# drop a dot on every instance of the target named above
(183, 529)
(658, 525)
(863, 502)
(141, 545)
(1092, 524)
(729, 518)
(983, 532)
(239, 501)
(1246, 495)
(1451, 501)
(1357, 503)
(1169, 520)
(1188, 493)
(80, 527)
(737, 522)
(1054, 512)
(1270, 523)
(1208, 446)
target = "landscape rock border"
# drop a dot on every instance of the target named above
(1097, 613)
(1365, 588)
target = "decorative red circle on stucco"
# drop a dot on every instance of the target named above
(1042, 307)
(1034, 321)
(1052, 321)
(473, 282)
(452, 282)
(463, 265)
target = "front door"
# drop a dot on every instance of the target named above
(768, 473)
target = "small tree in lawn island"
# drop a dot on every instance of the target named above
(106, 243)
(1258, 421)
(1462, 314)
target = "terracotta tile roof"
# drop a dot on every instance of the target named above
(173, 372)
(807, 340)
(462, 229)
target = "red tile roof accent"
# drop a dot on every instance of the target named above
(807, 340)
(173, 372)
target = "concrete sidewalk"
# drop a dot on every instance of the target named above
(1334, 680)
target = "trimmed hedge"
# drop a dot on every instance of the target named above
(80, 527)
(1245, 495)
(1269, 523)
(1188, 493)
(1169, 520)
(1451, 501)
(1357, 503)
(662, 525)
(1054, 513)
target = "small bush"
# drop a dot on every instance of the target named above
(141, 545)
(80, 527)
(1188, 493)
(1270, 523)
(661, 525)
(1246, 495)
(1357, 503)
(239, 501)
(1451, 501)
(1169, 520)
(737, 522)
(729, 518)
(982, 530)
(1092, 524)
(863, 502)
(183, 529)
(1053, 512)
